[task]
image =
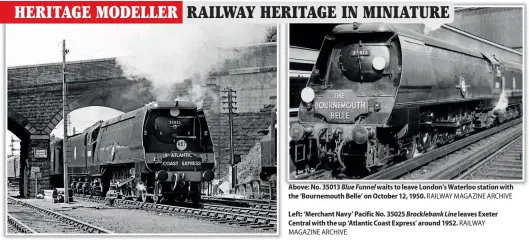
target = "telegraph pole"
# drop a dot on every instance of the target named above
(230, 108)
(65, 122)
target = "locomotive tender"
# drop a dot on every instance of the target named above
(378, 92)
(269, 150)
(160, 151)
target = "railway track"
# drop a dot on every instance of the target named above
(265, 219)
(505, 164)
(397, 170)
(30, 219)
(254, 218)
(321, 174)
(252, 203)
(241, 203)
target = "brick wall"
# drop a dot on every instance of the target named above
(42, 163)
(252, 72)
(246, 134)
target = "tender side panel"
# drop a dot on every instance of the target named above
(77, 158)
(118, 143)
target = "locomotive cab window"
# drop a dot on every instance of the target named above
(164, 128)
(167, 128)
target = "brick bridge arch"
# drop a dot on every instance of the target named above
(20, 127)
(35, 105)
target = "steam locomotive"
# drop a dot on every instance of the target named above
(160, 151)
(378, 92)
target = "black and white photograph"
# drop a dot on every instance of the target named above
(141, 129)
(381, 101)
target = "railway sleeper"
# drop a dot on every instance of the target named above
(506, 165)
(502, 170)
(514, 155)
(227, 220)
(509, 161)
(495, 176)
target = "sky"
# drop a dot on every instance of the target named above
(29, 44)
(164, 53)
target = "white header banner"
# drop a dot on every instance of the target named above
(311, 12)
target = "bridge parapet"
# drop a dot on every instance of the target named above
(77, 71)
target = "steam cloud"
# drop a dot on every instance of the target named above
(502, 104)
(430, 27)
(170, 55)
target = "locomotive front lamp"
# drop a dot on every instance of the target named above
(379, 63)
(307, 95)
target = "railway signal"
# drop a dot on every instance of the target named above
(231, 102)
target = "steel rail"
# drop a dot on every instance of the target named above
(69, 220)
(246, 200)
(242, 204)
(18, 225)
(402, 168)
(478, 166)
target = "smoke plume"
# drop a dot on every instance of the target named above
(169, 55)
(502, 104)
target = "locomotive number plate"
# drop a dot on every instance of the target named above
(182, 161)
(360, 52)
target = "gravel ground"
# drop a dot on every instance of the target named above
(425, 171)
(140, 221)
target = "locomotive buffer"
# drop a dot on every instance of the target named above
(230, 96)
